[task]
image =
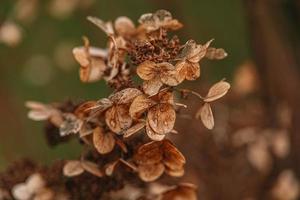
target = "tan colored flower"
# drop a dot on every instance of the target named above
(155, 75)
(92, 62)
(156, 157)
(183, 191)
(160, 19)
(188, 65)
(116, 109)
(217, 91)
(103, 142)
(161, 115)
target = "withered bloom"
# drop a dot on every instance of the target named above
(157, 157)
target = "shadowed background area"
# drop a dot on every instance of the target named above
(260, 36)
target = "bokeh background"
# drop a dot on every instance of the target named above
(262, 38)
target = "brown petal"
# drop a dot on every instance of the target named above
(110, 168)
(173, 158)
(92, 168)
(192, 71)
(84, 109)
(70, 125)
(199, 52)
(152, 86)
(124, 26)
(175, 172)
(139, 105)
(104, 26)
(93, 72)
(147, 70)
(206, 116)
(72, 168)
(150, 173)
(152, 134)
(103, 142)
(215, 54)
(117, 118)
(182, 192)
(149, 153)
(162, 118)
(125, 96)
(166, 97)
(81, 56)
(134, 129)
(217, 91)
(169, 75)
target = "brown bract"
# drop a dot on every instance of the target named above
(156, 157)
(188, 66)
(104, 142)
(160, 19)
(161, 115)
(76, 167)
(155, 75)
(184, 191)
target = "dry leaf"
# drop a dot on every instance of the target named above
(150, 173)
(217, 91)
(103, 142)
(73, 168)
(139, 105)
(161, 118)
(118, 119)
(91, 168)
(206, 115)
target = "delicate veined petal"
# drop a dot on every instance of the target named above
(169, 75)
(199, 52)
(93, 72)
(173, 158)
(84, 109)
(152, 134)
(124, 26)
(206, 115)
(166, 97)
(152, 87)
(162, 118)
(192, 71)
(106, 27)
(125, 96)
(81, 56)
(149, 153)
(182, 192)
(147, 70)
(175, 172)
(217, 91)
(139, 105)
(73, 168)
(150, 173)
(117, 118)
(188, 50)
(92, 168)
(103, 142)
(215, 54)
(134, 129)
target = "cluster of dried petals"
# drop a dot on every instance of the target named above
(160, 110)
(156, 157)
(216, 91)
(33, 188)
(160, 19)
(155, 75)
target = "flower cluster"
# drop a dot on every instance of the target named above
(110, 126)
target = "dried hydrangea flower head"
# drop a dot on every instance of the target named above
(108, 127)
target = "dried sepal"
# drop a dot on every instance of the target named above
(215, 54)
(73, 168)
(125, 96)
(152, 86)
(150, 173)
(93, 72)
(118, 119)
(206, 116)
(161, 118)
(103, 142)
(92, 168)
(173, 158)
(124, 26)
(147, 70)
(149, 153)
(174, 172)
(217, 91)
(152, 134)
(106, 27)
(139, 105)
(84, 109)
(184, 191)
(110, 168)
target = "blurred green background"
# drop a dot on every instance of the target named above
(38, 64)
